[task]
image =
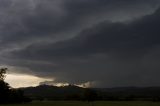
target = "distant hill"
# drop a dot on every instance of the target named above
(54, 93)
(72, 92)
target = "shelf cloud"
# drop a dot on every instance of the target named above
(105, 43)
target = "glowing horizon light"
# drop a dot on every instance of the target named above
(22, 80)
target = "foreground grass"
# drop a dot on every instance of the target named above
(78, 103)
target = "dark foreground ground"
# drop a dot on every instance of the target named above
(78, 103)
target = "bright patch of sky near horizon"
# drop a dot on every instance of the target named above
(22, 80)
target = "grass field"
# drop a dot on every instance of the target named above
(98, 103)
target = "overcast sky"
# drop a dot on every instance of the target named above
(100, 43)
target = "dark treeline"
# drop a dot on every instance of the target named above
(8, 94)
(129, 93)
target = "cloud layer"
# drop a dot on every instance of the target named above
(107, 43)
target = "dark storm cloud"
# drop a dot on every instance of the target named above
(139, 35)
(108, 42)
(37, 18)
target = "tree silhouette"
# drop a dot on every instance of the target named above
(2, 73)
(4, 87)
(8, 94)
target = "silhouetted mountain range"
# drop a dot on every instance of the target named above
(72, 92)
(54, 92)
